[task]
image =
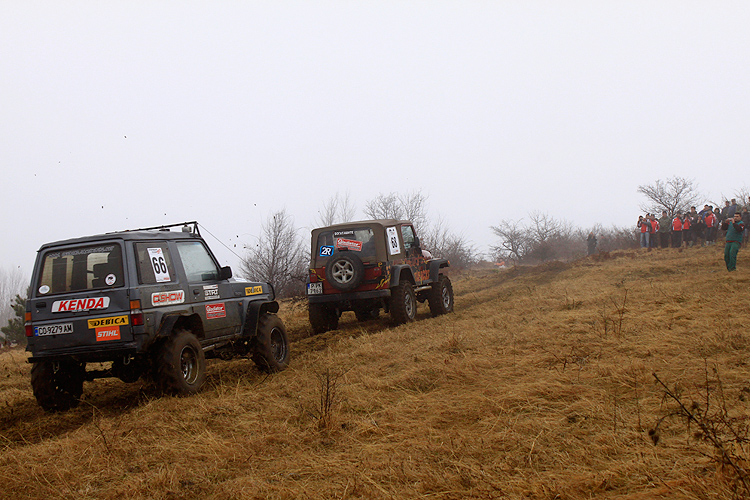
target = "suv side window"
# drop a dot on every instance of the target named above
(154, 263)
(198, 264)
(408, 234)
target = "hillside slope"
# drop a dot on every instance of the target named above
(540, 385)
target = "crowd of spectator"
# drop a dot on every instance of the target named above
(691, 228)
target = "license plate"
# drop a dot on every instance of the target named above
(315, 288)
(53, 329)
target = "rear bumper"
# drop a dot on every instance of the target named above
(348, 297)
(85, 354)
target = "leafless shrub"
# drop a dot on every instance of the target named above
(329, 398)
(725, 430)
(279, 256)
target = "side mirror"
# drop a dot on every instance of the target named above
(225, 273)
(416, 242)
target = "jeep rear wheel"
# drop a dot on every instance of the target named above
(403, 303)
(181, 364)
(57, 386)
(271, 349)
(345, 271)
(441, 296)
(322, 318)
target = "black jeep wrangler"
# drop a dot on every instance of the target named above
(150, 302)
(371, 265)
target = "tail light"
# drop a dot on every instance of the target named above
(27, 325)
(136, 315)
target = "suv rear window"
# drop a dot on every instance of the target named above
(360, 240)
(79, 269)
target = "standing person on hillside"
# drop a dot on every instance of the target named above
(664, 222)
(654, 229)
(676, 231)
(711, 224)
(745, 214)
(644, 226)
(687, 231)
(734, 228)
(591, 243)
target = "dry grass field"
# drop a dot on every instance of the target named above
(541, 385)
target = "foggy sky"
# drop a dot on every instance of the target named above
(117, 115)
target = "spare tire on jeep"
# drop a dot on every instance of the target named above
(345, 271)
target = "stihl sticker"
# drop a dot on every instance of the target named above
(75, 305)
(214, 311)
(350, 244)
(107, 333)
(113, 321)
(168, 298)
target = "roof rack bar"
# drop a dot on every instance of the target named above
(167, 226)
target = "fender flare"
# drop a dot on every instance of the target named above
(396, 274)
(435, 266)
(253, 311)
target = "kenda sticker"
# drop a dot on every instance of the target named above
(75, 305)
(167, 298)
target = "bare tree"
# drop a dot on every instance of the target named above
(414, 206)
(338, 208)
(12, 283)
(675, 195)
(384, 207)
(279, 256)
(442, 243)
(514, 240)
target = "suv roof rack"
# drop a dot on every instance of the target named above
(165, 227)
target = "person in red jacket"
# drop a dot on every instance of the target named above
(654, 229)
(676, 231)
(687, 231)
(645, 229)
(711, 224)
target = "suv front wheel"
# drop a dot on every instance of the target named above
(271, 350)
(181, 364)
(440, 297)
(403, 303)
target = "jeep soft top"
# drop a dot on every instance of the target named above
(150, 301)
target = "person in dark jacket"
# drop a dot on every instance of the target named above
(591, 243)
(734, 228)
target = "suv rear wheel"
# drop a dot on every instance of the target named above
(181, 364)
(57, 386)
(403, 303)
(322, 318)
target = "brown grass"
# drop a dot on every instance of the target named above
(538, 386)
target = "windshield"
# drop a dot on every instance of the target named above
(79, 269)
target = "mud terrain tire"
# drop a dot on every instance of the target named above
(345, 271)
(322, 318)
(271, 349)
(57, 390)
(403, 303)
(181, 364)
(440, 297)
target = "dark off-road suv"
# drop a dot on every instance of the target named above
(151, 302)
(371, 265)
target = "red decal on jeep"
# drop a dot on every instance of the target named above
(107, 333)
(350, 244)
(214, 311)
(74, 305)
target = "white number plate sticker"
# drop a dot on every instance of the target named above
(315, 288)
(53, 329)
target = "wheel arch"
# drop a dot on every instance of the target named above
(399, 273)
(435, 266)
(172, 322)
(254, 310)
